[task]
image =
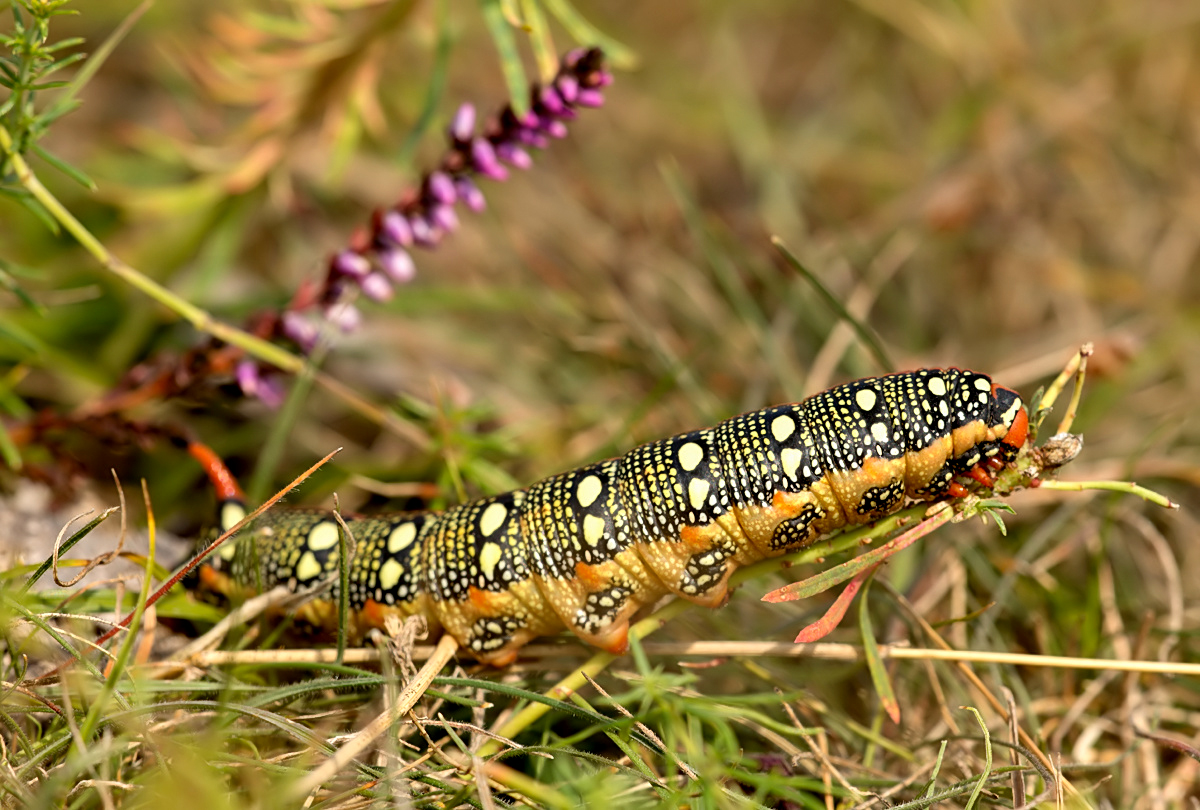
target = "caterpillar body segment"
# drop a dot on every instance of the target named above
(588, 548)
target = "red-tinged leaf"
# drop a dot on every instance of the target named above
(837, 611)
(825, 580)
(879, 673)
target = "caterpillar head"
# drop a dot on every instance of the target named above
(1008, 423)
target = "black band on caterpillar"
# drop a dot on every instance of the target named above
(586, 549)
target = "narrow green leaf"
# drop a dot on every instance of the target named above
(510, 59)
(864, 332)
(66, 546)
(66, 168)
(875, 665)
(987, 753)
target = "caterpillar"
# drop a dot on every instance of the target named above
(586, 549)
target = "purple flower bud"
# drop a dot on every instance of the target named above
(424, 232)
(533, 138)
(440, 187)
(299, 330)
(344, 316)
(514, 155)
(443, 218)
(529, 119)
(470, 194)
(352, 264)
(589, 97)
(376, 287)
(246, 374)
(270, 391)
(395, 228)
(483, 156)
(567, 86)
(603, 78)
(397, 264)
(553, 127)
(462, 126)
(551, 100)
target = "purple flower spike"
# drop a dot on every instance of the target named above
(514, 155)
(462, 126)
(344, 316)
(299, 330)
(443, 217)
(396, 229)
(483, 155)
(441, 188)
(470, 194)
(351, 264)
(376, 287)
(396, 265)
(590, 97)
(568, 87)
(551, 100)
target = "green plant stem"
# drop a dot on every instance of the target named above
(1111, 486)
(197, 317)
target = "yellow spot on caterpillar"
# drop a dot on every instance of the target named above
(390, 574)
(489, 555)
(865, 398)
(880, 431)
(936, 386)
(308, 568)
(323, 536)
(401, 537)
(231, 513)
(589, 490)
(791, 458)
(982, 384)
(697, 492)
(690, 456)
(1010, 415)
(593, 529)
(782, 426)
(493, 518)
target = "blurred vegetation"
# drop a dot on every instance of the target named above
(984, 184)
